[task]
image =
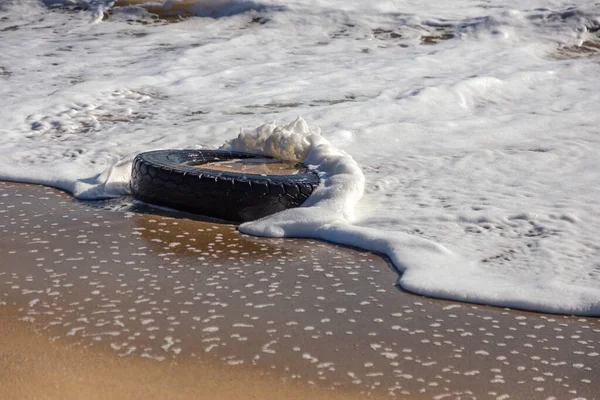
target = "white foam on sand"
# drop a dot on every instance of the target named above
(426, 267)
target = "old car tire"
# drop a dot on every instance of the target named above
(176, 178)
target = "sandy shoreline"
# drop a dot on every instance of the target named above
(149, 296)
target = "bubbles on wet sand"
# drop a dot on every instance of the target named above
(168, 289)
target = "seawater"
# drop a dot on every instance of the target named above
(459, 137)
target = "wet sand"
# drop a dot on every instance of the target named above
(126, 303)
(258, 166)
(35, 368)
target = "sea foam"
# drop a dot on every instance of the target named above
(425, 267)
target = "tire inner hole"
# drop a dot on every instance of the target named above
(255, 166)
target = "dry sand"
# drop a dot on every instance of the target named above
(130, 303)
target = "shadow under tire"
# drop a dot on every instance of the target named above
(176, 178)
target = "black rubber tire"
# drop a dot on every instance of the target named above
(165, 178)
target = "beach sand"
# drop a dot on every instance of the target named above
(117, 300)
(35, 368)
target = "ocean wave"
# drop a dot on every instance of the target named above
(166, 8)
(569, 23)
